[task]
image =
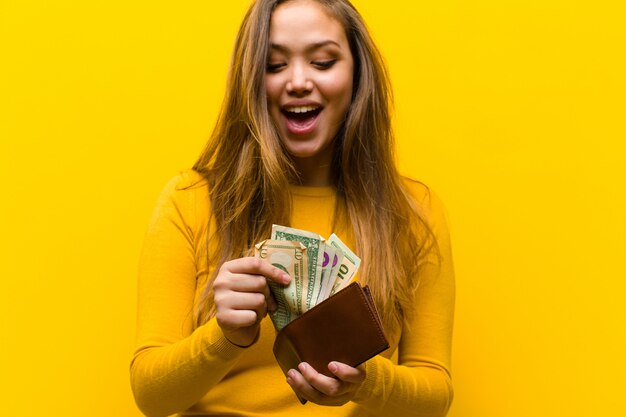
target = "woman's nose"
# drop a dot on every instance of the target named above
(299, 81)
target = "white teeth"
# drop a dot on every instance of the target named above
(301, 109)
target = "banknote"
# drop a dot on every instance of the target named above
(318, 268)
(331, 265)
(290, 256)
(315, 251)
(349, 264)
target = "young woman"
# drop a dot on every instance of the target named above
(304, 139)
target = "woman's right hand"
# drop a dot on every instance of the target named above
(243, 298)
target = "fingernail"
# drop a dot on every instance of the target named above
(302, 367)
(291, 374)
(286, 278)
(333, 367)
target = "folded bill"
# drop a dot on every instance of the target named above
(315, 251)
(290, 257)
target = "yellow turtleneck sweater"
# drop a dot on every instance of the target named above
(177, 368)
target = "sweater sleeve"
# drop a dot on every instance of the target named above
(174, 367)
(420, 384)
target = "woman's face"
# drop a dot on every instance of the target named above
(308, 78)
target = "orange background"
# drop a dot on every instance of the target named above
(513, 111)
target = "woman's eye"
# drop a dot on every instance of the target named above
(274, 67)
(325, 64)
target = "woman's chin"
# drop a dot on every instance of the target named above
(307, 153)
(301, 149)
(308, 149)
(302, 154)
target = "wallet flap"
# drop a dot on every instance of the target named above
(344, 328)
(283, 349)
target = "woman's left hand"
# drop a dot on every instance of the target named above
(320, 389)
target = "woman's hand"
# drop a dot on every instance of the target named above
(320, 389)
(242, 297)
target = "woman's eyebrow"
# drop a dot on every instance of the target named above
(316, 45)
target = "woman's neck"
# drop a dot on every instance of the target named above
(314, 172)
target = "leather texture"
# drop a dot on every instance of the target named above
(344, 328)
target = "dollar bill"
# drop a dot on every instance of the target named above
(315, 252)
(290, 256)
(330, 266)
(328, 284)
(349, 264)
(326, 267)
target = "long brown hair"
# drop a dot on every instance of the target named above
(248, 170)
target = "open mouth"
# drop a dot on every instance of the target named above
(301, 115)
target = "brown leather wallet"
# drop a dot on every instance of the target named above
(344, 328)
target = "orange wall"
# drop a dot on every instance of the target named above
(513, 111)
